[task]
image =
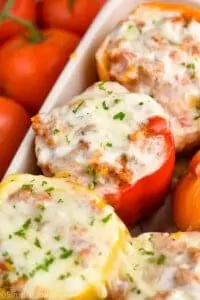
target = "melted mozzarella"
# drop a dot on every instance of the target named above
(95, 128)
(158, 266)
(157, 52)
(61, 239)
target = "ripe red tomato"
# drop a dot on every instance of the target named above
(24, 9)
(74, 15)
(14, 122)
(146, 195)
(28, 70)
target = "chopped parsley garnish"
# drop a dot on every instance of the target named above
(102, 86)
(65, 253)
(55, 131)
(22, 232)
(161, 259)
(93, 173)
(91, 186)
(109, 144)
(44, 182)
(105, 105)
(57, 237)
(119, 116)
(60, 201)
(64, 276)
(5, 277)
(146, 252)
(92, 221)
(130, 26)
(27, 187)
(67, 139)
(41, 207)
(49, 190)
(7, 257)
(107, 218)
(191, 67)
(78, 106)
(38, 219)
(129, 277)
(141, 103)
(37, 243)
(117, 101)
(76, 262)
(46, 264)
(10, 236)
(26, 253)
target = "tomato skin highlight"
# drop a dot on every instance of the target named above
(75, 17)
(145, 196)
(25, 9)
(29, 70)
(14, 123)
(186, 198)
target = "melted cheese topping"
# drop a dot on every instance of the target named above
(158, 266)
(158, 52)
(99, 138)
(57, 240)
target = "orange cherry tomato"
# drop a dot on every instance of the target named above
(146, 195)
(29, 68)
(14, 122)
(73, 15)
(186, 198)
(24, 9)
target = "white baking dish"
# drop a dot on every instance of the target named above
(79, 73)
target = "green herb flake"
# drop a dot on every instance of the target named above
(64, 276)
(67, 139)
(22, 232)
(37, 243)
(26, 253)
(141, 103)
(83, 277)
(130, 26)
(7, 257)
(101, 85)
(41, 207)
(93, 173)
(109, 145)
(91, 186)
(48, 261)
(117, 101)
(60, 200)
(55, 131)
(65, 253)
(129, 277)
(119, 116)
(91, 223)
(57, 237)
(27, 187)
(76, 262)
(38, 219)
(145, 252)
(107, 218)
(49, 190)
(5, 277)
(10, 236)
(78, 107)
(44, 182)
(161, 259)
(104, 105)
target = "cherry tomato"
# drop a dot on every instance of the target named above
(24, 9)
(28, 69)
(14, 122)
(186, 198)
(74, 15)
(146, 195)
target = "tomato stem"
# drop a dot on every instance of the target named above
(35, 35)
(6, 9)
